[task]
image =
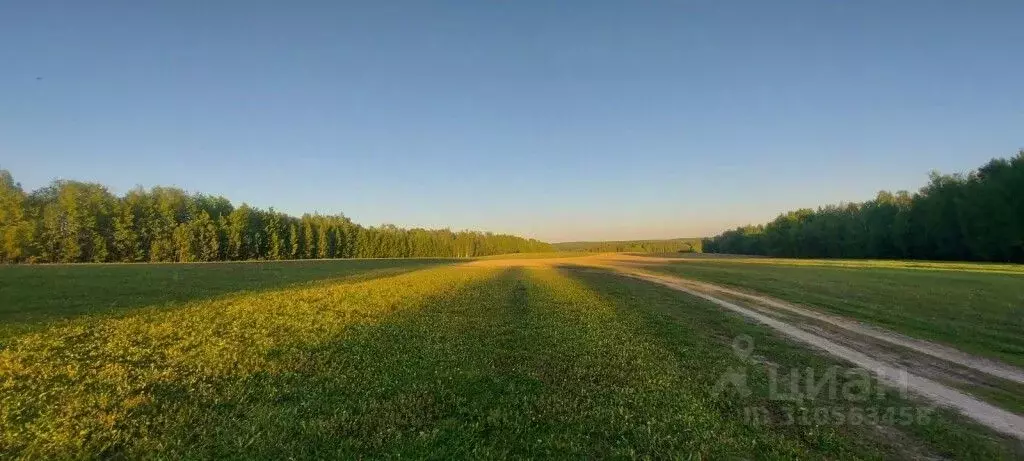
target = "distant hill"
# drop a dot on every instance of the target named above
(679, 245)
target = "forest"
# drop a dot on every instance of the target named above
(71, 221)
(680, 245)
(978, 216)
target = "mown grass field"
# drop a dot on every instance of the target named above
(978, 308)
(956, 266)
(33, 297)
(543, 255)
(414, 360)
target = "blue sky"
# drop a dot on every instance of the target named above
(568, 121)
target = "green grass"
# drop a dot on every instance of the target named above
(956, 266)
(443, 362)
(544, 255)
(32, 297)
(963, 305)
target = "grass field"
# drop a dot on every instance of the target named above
(956, 266)
(978, 308)
(408, 360)
(544, 255)
(33, 297)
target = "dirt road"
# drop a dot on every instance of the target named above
(926, 369)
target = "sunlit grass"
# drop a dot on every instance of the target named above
(97, 387)
(33, 297)
(449, 362)
(546, 255)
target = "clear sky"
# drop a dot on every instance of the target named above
(557, 120)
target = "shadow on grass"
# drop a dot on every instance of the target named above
(33, 297)
(454, 363)
(702, 337)
(426, 379)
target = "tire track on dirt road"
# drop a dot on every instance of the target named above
(946, 353)
(991, 416)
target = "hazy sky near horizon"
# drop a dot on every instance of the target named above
(572, 120)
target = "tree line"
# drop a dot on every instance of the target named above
(681, 245)
(72, 221)
(978, 216)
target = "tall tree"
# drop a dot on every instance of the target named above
(275, 235)
(293, 241)
(308, 238)
(16, 228)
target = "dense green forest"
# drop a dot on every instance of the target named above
(977, 216)
(71, 221)
(681, 245)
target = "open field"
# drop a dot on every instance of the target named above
(978, 308)
(34, 296)
(956, 266)
(543, 255)
(481, 360)
(480, 230)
